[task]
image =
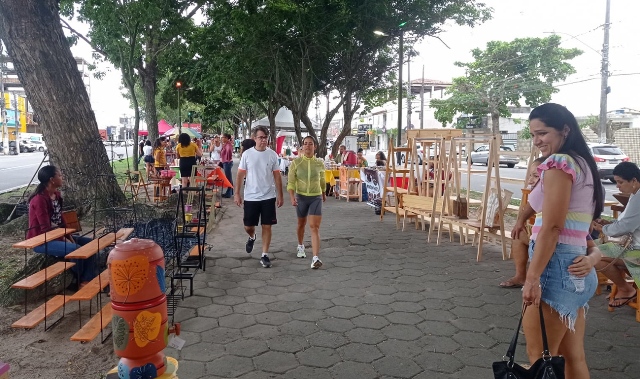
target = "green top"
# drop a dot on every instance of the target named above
(306, 176)
(364, 163)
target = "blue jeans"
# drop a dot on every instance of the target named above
(84, 268)
(227, 172)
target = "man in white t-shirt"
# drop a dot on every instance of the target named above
(262, 191)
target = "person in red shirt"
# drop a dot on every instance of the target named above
(45, 214)
(226, 158)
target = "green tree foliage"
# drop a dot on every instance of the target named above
(506, 73)
(285, 52)
(135, 35)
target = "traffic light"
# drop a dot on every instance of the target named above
(190, 116)
(7, 101)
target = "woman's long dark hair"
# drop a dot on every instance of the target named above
(157, 143)
(184, 139)
(45, 174)
(556, 116)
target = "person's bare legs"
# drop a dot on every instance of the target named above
(572, 348)
(614, 269)
(302, 222)
(185, 182)
(266, 238)
(556, 330)
(314, 225)
(251, 231)
(520, 256)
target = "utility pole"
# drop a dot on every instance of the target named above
(16, 119)
(422, 100)
(3, 112)
(408, 94)
(604, 84)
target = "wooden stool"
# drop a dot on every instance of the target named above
(602, 280)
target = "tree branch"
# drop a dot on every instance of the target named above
(82, 37)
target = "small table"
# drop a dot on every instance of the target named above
(161, 188)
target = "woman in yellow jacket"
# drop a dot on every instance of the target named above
(306, 189)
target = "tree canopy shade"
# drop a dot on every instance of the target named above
(284, 51)
(46, 68)
(505, 73)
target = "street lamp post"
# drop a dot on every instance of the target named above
(400, 89)
(178, 87)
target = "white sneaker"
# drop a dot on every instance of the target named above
(316, 263)
(301, 253)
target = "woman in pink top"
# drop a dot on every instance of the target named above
(569, 196)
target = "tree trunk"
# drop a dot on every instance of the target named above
(495, 123)
(129, 82)
(348, 110)
(46, 68)
(149, 76)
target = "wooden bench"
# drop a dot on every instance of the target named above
(90, 249)
(34, 280)
(43, 238)
(36, 316)
(423, 207)
(96, 324)
(92, 288)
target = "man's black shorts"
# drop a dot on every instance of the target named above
(263, 211)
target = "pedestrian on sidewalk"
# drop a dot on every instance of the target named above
(262, 191)
(226, 157)
(305, 186)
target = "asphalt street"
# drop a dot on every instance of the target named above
(16, 171)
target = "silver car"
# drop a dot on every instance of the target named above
(481, 155)
(607, 158)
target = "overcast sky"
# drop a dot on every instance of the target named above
(512, 19)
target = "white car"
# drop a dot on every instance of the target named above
(607, 157)
(39, 145)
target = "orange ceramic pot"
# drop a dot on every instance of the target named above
(136, 271)
(139, 323)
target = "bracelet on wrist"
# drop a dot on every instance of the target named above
(534, 284)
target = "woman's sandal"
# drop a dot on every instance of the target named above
(511, 284)
(626, 301)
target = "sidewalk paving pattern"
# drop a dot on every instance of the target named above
(385, 304)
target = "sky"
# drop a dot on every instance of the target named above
(582, 19)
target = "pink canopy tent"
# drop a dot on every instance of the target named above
(163, 126)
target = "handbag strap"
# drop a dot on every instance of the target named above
(546, 355)
(511, 351)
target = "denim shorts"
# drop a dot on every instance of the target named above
(566, 293)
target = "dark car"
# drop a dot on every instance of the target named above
(26, 149)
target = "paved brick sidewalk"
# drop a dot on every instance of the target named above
(385, 304)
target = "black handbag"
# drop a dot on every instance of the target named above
(547, 367)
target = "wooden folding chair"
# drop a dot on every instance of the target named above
(137, 185)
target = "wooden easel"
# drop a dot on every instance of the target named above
(393, 174)
(480, 227)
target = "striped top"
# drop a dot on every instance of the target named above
(581, 206)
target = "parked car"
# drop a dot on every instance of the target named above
(26, 148)
(607, 157)
(38, 145)
(481, 155)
